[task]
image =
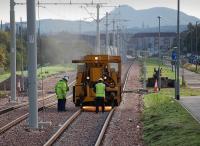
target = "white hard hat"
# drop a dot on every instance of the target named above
(100, 79)
(66, 78)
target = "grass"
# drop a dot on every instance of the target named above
(48, 70)
(4, 76)
(166, 123)
(154, 63)
(192, 67)
(3, 94)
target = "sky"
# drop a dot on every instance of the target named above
(77, 12)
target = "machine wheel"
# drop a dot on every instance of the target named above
(116, 102)
(77, 103)
(112, 103)
(74, 93)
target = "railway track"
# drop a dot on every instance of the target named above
(24, 112)
(24, 116)
(78, 119)
(5, 110)
(101, 135)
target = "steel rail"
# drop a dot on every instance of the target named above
(53, 139)
(23, 117)
(62, 128)
(5, 110)
(103, 130)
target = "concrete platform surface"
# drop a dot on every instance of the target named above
(192, 105)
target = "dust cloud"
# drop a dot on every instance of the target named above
(63, 47)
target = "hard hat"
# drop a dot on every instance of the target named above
(66, 78)
(100, 79)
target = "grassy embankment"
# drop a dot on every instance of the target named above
(46, 71)
(154, 63)
(192, 67)
(166, 123)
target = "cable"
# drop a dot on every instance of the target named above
(88, 12)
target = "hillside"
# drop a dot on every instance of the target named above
(135, 20)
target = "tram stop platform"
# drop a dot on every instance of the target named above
(192, 105)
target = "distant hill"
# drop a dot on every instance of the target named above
(148, 17)
(137, 21)
(52, 26)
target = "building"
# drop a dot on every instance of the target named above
(149, 41)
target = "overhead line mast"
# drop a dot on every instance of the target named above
(98, 5)
(13, 50)
(32, 52)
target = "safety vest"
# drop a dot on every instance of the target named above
(100, 89)
(61, 89)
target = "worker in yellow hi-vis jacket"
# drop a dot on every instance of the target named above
(61, 89)
(100, 95)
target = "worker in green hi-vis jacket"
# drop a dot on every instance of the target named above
(61, 89)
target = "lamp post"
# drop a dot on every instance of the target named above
(191, 44)
(159, 54)
(196, 43)
(98, 51)
(13, 50)
(178, 53)
(107, 34)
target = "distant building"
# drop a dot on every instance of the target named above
(149, 41)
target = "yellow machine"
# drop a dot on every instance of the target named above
(89, 70)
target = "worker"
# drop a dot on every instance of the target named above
(100, 94)
(61, 89)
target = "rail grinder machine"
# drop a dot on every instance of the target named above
(89, 69)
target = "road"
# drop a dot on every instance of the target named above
(192, 79)
(191, 104)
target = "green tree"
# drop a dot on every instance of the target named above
(3, 56)
(188, 39)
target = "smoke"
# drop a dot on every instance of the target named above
(62, 48)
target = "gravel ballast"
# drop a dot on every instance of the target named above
(84, 131)
(125, 128)
(48, 88)
(21, 135)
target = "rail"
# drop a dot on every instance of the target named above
(5, 110)
(101, 135)
(23, 117)
(61, 130)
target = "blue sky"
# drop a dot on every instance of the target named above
(76, 12)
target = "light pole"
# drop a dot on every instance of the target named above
(13, 50)
(107, 34)
(113, 33)
(178, 52)
(196, 43)
(98, 51)
(191, 41)
(159, 54)
(1, 25)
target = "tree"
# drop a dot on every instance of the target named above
(188, 39)
(3, 57)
